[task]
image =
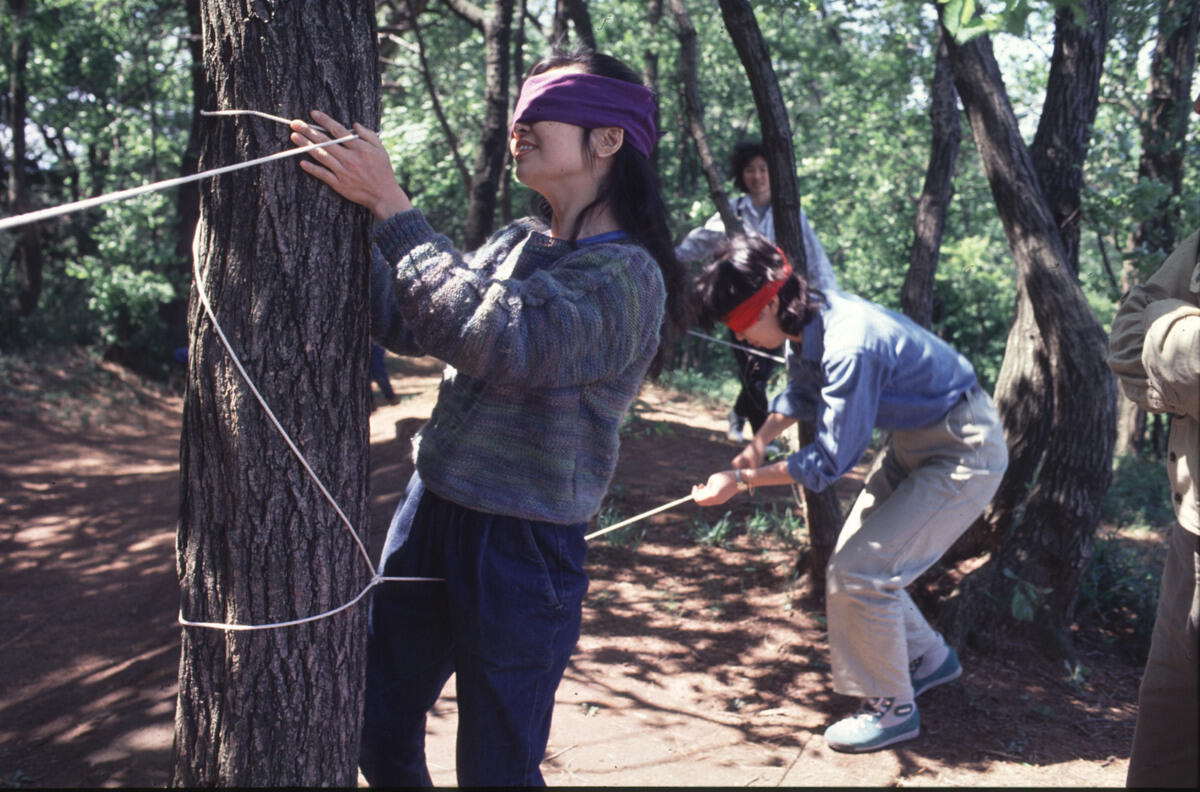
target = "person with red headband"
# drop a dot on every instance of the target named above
(547, 332)
(878, 369)
(748, 163)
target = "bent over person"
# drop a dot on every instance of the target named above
(1154, 349)
(944, 464)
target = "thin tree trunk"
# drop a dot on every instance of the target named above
(27, 255)
(284, 262)
(1044, 517)
(823, 511)
(695, 117)
(1060, 146)
(577, 11)
(493, 137)
(916, 296)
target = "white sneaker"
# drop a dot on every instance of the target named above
(736, 422)
(880, 722)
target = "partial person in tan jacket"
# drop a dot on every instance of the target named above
(1155, 351)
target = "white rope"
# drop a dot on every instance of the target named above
(639, 517)
(749, 350)
(88, 203)
(259, 114)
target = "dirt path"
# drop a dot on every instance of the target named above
(699, 665)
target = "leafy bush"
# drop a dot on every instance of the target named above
(1119, 594)
(1139, 495)
(125, 305)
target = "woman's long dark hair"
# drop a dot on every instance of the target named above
(741, 267)
(632, 190)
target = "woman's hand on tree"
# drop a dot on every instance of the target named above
(358, 170)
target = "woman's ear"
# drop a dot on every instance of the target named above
(606, 141)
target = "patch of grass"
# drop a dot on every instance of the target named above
(713, 534)
(777, 521)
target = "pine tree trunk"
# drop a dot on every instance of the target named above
(1055, 394)
(285, 263)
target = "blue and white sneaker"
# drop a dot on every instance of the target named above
(923, 678)
(879, 722)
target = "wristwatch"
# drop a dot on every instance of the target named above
(742, 484)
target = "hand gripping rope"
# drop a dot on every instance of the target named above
(376, 579)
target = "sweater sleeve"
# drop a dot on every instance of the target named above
(387, 325)
(595, 312)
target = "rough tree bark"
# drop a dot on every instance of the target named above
(1164, 126)
(496, 24)
(824, 515)
(1044, 517)
(284, 264)
(916, 295)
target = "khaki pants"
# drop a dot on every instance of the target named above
(1165, 752)
(921, 495)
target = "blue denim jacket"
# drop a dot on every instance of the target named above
(861, 366)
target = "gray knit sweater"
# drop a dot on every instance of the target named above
(546, 348)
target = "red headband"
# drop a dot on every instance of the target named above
(746, 314)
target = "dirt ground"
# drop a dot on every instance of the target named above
(699, 665)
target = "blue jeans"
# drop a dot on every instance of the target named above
(505, 623)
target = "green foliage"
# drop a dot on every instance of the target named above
(782, 523)
(1025, 597)
(109, 82)
(712, 533)
(1139, 495)
(125, 303)
(1119, 591)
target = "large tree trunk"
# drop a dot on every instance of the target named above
(493, 137)
(824, 515)
(284, 262)
(916, 296)
(1044, 517)
(27, 255)
(1164, 126)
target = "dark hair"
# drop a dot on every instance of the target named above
(740, 157)
(632, 191)
(741, 267)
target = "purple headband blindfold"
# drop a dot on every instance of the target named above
(590, 101)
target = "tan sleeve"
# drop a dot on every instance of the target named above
(1171, 357)
(1173, 281)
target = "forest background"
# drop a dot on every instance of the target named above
(105, 94)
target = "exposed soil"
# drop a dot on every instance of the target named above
(700, 664)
